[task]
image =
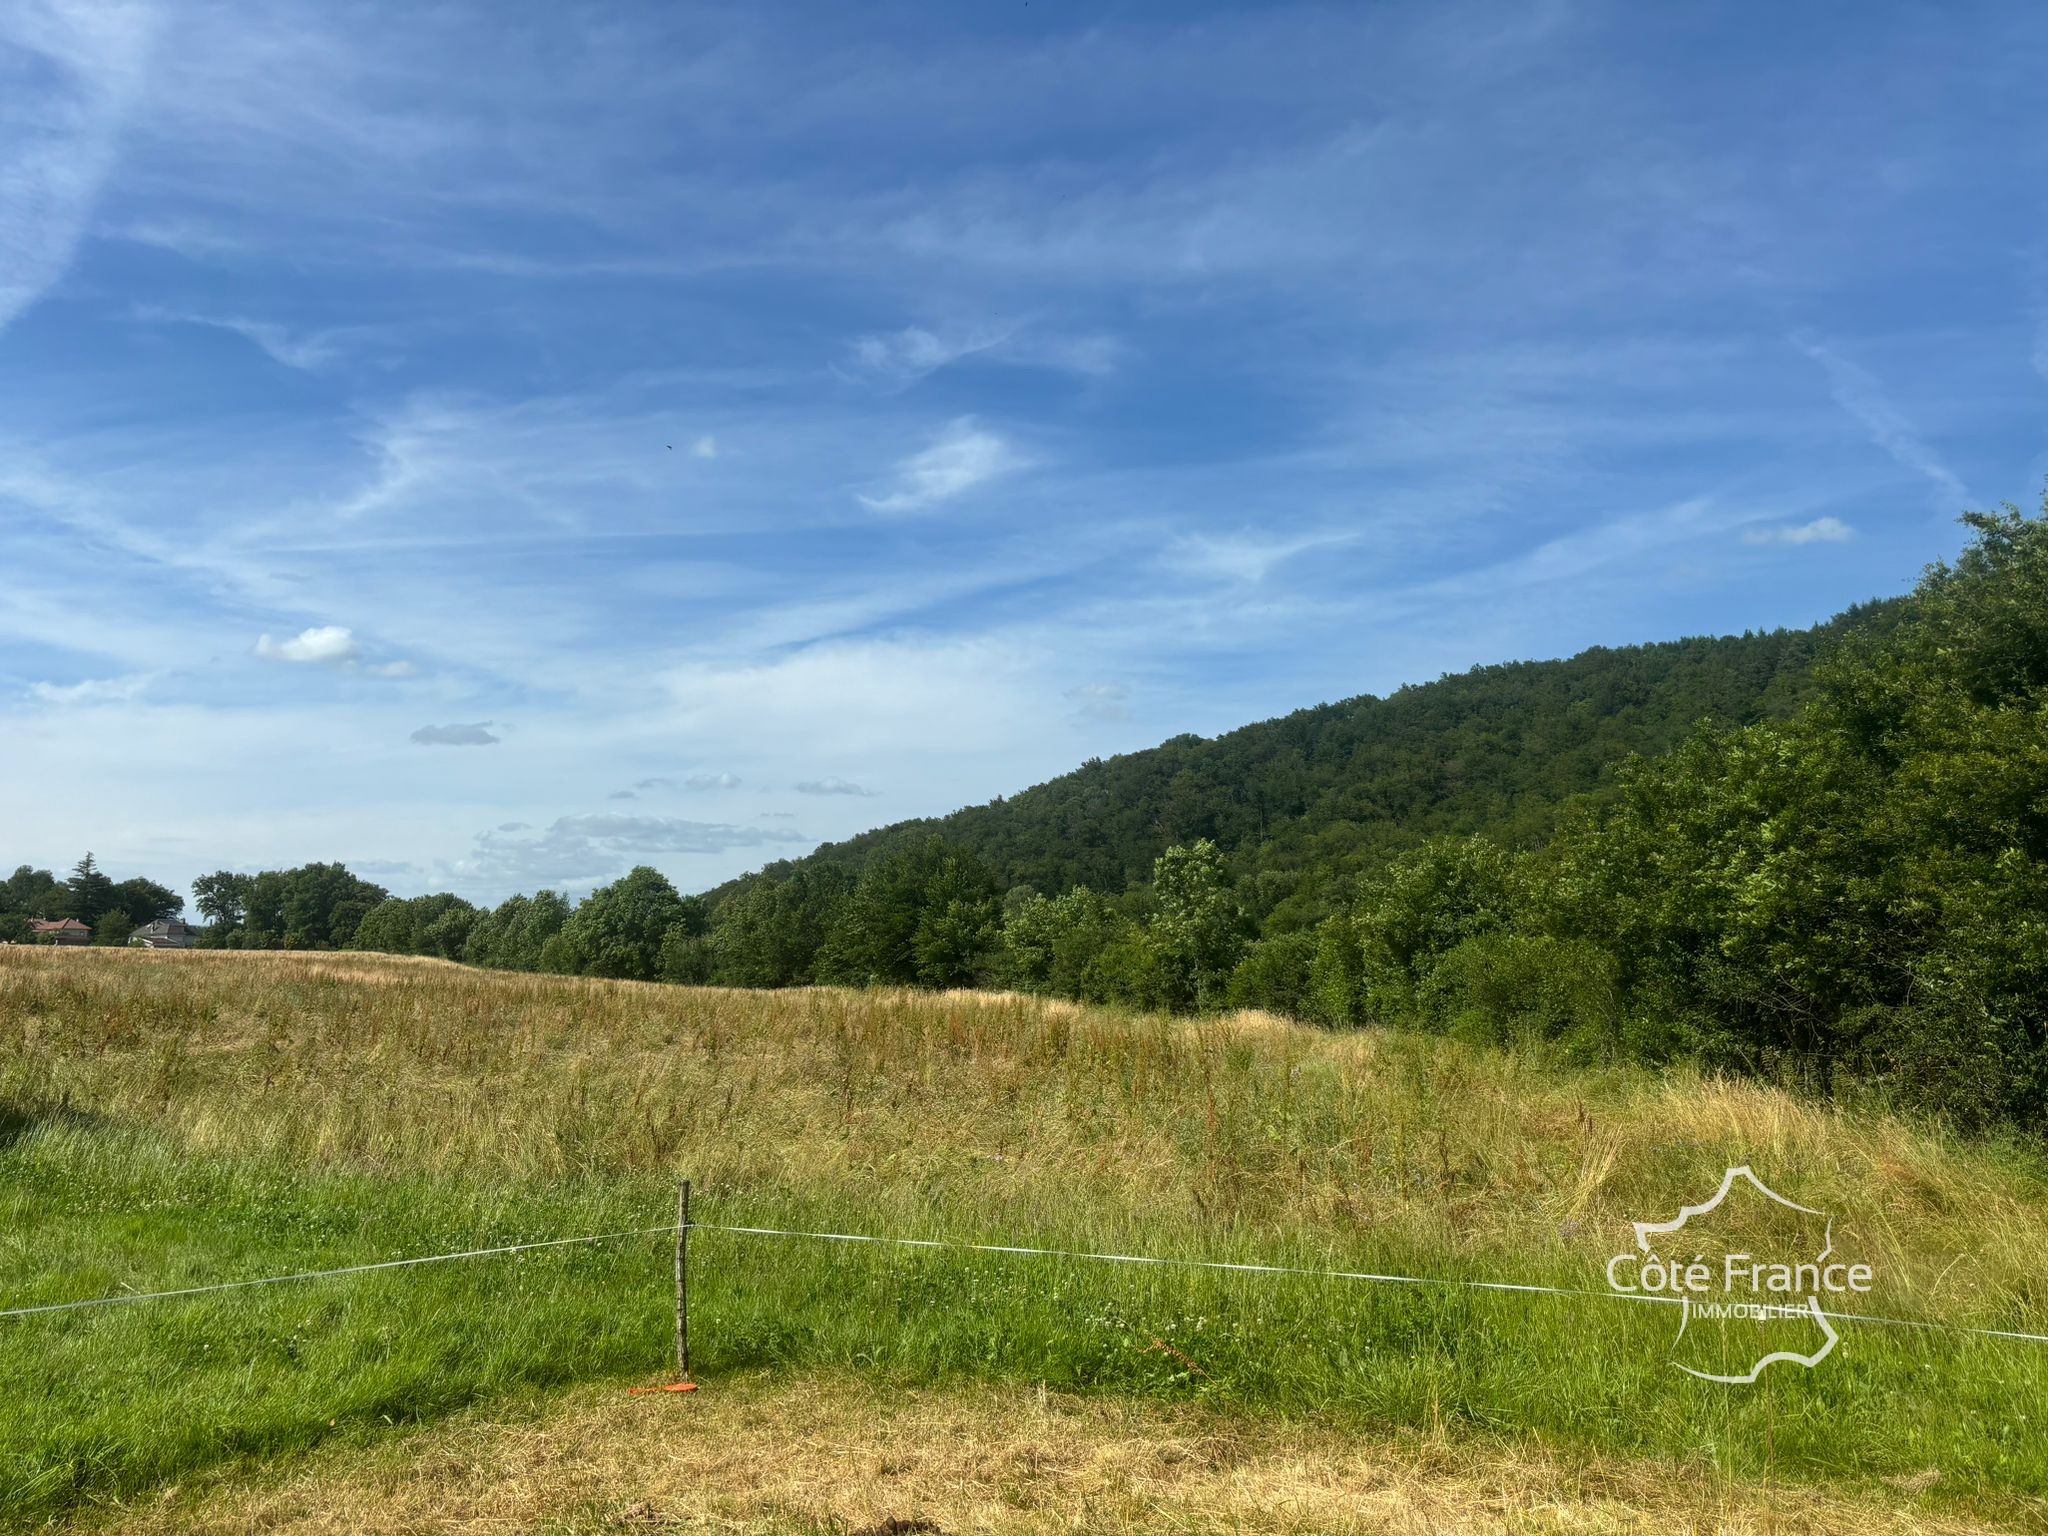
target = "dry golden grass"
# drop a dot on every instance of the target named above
(1037, 1117)
(825, 1453)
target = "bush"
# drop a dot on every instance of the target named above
(1058, 945)
(1427, 903)
(1336, 973)
(686, 956)
(1504, 986)
(1275, 974)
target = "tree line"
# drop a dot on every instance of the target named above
(928, 915)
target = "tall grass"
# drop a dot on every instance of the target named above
(178, 1118)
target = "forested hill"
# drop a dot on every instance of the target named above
(1302, 804)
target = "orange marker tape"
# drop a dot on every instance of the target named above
(674, 1386)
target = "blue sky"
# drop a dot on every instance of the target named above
(497, 445)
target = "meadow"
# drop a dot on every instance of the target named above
(176, 1119)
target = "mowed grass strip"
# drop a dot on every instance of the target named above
(802, 1453)
(174, 1119)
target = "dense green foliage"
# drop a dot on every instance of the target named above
(1303, 805)
(315, 906)
(1858, 893)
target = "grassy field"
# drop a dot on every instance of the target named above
(171, 1120)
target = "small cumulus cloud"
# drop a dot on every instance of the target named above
(962, 457)
(706, 447)
(91, 690)
(831, 786)
(1100, 701)
(477, 734)
(329, 643)
(1822, 530)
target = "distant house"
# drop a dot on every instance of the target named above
(66, 930)
(165, 933)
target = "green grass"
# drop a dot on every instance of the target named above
(177, 1124)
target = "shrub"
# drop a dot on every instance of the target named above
(1503, 986)
(1423, 906)
(1275, 974)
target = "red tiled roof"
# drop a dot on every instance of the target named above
(62, 925)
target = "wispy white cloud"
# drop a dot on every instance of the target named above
(962, 457)
(92, 690)
(705, 447)
(306, 351)
(902, 357)
(69, 74)
(1243, 557)
(411, 450)
(911, 353)
(1859, 393)
(1576, 556)
(1822, 530)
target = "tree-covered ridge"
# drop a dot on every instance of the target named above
(1186, 876)
(1305, 803)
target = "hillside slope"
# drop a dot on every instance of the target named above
(1304, 802)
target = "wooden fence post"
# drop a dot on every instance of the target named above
(683, 1283)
